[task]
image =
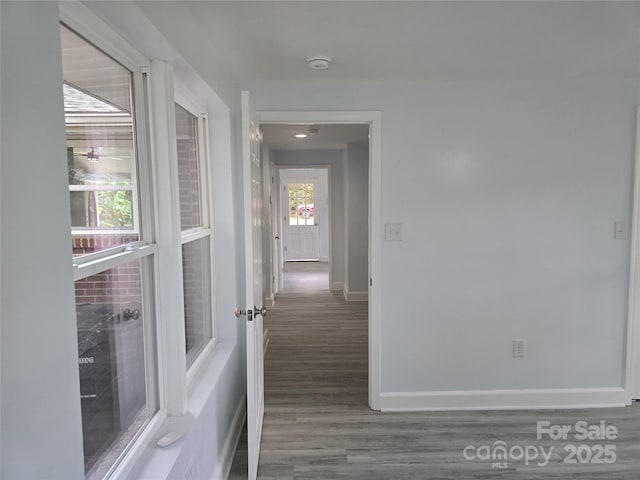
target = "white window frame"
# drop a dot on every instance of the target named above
(199, 111)
(85, 23)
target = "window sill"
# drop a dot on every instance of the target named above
(200, 362)
(146, 460)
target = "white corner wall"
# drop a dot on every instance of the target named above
(40, 382)
(507, 192)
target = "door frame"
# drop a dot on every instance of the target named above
(277, 221)
(632, 357)
(374, 120)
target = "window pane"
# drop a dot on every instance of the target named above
(186, 129)
(196, 270)
(103, 209)
(301, 204)
(100, 147)
(111, 357)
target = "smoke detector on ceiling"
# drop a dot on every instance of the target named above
(319, 62)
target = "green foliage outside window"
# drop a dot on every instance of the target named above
(115, 208)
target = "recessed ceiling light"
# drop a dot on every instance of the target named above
(301, 135)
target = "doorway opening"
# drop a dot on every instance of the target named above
(346, 146)
(295, 318)
(319, 196)
(352, 166)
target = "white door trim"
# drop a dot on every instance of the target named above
(632, 366)
(374, 120)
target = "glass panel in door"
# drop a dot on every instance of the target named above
(301, 204)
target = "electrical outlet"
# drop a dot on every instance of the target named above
(519, 348)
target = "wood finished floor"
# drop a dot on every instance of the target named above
(317, 424)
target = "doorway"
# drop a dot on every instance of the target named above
(369, 209)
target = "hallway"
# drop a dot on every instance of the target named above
(318, 426)
(305, 277)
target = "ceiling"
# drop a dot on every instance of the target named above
(406, 40)
(282, 137)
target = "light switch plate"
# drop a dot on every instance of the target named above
(393, 232)
(519, 348)
(620, 230)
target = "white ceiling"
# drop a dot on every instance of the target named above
(282, 137)
(411, 41)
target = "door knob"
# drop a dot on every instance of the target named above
(277, 237)
(238, 312)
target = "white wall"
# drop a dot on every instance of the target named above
(39, 346)
(40, 383)
(335, 159)
(357, 226)
(508, 193)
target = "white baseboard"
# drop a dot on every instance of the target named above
(270, 301)
(354, 296)
(504, 399)
(337, 286)
(225, 462)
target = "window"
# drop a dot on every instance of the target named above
(113, 252)
(301, 204)
(196, 234)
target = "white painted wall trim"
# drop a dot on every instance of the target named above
(354, 296)
(337, 287)
(225, 462)
(632, 366)
(504, 399)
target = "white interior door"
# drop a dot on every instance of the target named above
(252, 173)
(302, 237)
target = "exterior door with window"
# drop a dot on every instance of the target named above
(302, 235)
